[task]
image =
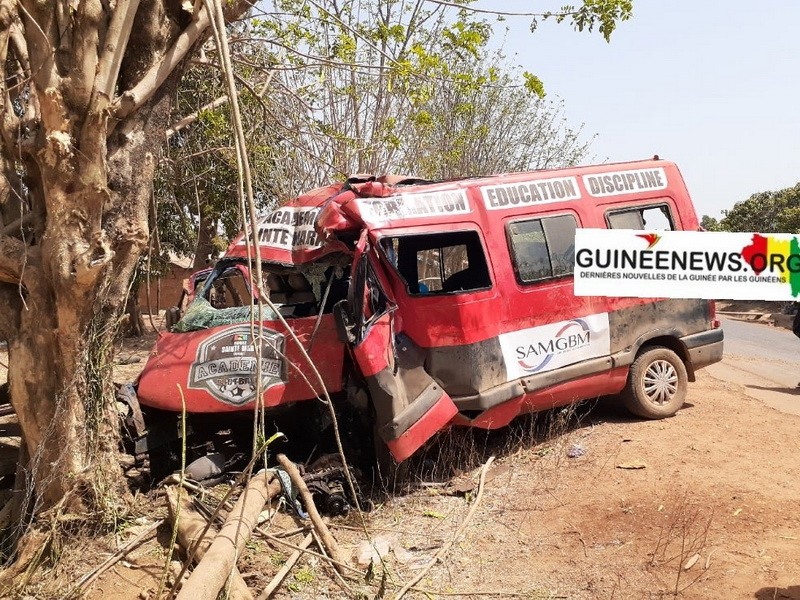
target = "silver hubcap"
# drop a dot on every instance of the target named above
(660, 382)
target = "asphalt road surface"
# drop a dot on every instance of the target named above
(763, 359)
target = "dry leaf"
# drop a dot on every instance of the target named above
(691, 562)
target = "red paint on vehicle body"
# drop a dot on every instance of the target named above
(170, 363)
(420, 432)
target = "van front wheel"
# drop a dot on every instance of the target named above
(657, 384)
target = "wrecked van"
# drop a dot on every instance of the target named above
(430, 304)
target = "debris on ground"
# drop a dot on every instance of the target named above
(467, 483)
(576, 451)
(373, 551)
(632, 465)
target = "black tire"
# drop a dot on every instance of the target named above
(657, 384)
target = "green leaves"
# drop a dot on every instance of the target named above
(533, 84)
(603, 14)
(765, 212)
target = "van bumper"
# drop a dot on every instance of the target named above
(704, 348)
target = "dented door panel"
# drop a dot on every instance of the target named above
(410, 407)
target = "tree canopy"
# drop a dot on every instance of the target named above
(332, 89)
(766, 212)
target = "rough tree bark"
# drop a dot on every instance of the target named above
(205, 240)
(84, 109)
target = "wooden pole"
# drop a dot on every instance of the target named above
(191, 525)
(213, 570)
(316, 520)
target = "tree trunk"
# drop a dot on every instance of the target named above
(134, 324)
(61, 354)
(84, 101)
(205, 251)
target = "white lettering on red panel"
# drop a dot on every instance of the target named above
(625, 182)
(412, 206)
(523, 193)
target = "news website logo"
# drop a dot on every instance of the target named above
(687, 264)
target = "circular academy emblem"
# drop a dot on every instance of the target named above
(226, 365)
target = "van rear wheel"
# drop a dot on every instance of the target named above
(657, 384)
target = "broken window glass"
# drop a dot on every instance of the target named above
(653, 217)
(436, 263)
(225, 297)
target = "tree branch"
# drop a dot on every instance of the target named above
(500, 13)
(192, 117)
(134, 98)
(83, 59)
(116, 42)
(40, 42)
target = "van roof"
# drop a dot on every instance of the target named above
(310, 226)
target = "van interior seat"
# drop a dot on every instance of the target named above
(468, 279)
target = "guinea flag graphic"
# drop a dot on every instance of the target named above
(781, 257)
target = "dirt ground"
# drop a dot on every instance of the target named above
(703, 504)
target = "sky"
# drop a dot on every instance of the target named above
(713, 85)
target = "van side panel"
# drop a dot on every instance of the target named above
(633, 325)
(462, 335)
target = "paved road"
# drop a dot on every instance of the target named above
(760, 341)
(764, 360)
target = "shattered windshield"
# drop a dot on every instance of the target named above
(226, 296)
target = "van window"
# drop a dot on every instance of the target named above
(542, 248)
(433, 263)
(655, 217)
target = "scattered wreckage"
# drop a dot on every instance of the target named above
(430, 304)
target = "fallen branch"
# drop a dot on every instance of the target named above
(190, 527)
(215, 567)
(446, 548)
(319, 525)
(282, 542)
(116, 557)
(223, 503)
(348, 590)
(287, 566)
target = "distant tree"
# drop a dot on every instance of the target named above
(766, 212)
(709, 223)
(485, 123)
